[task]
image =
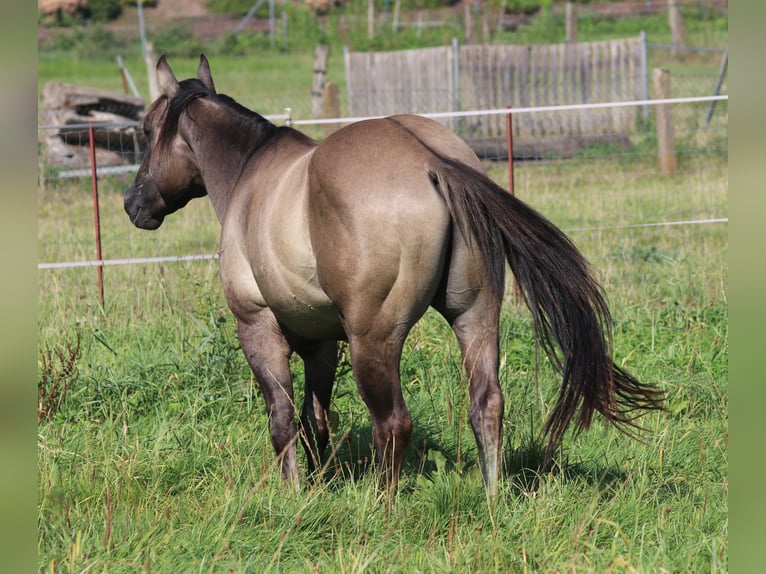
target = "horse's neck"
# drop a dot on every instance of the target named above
(223, 154)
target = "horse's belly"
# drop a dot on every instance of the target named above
(284, 267)
(298, 304)
(304, 308)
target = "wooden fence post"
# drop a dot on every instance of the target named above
(666, 147)
(321, 53)
(330, 106)
(370, 19)
(676, 23)
(571, 22)
(151, 72)
(468, 23)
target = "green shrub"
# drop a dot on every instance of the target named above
(94, 42)
(176, 41)
(104, 10)
(61, 19)
(522, 6)
(237, 45)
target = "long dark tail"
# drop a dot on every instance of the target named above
(566, 302)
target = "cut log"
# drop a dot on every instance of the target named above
(68, 110)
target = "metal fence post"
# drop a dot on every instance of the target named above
(511, 188)
(456, 73)
(644, 74)
(718, 84)
(96, 215)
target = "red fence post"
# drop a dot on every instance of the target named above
(509, 133)
(511, 189)
(96, 217)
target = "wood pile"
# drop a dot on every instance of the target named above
(68, 111)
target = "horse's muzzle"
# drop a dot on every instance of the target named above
(140, 214)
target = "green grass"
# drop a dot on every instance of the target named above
(158, 457)
(270, 79)
(251, 79)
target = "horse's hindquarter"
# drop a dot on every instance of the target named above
(439, 138)
(379, 229)
(266, 255)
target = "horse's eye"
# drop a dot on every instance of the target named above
(147, 131)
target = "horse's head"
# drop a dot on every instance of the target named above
(169, 176)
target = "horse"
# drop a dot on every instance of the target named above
(351, 240)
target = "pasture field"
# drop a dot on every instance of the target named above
(268, 80)
(153, 447)
(157, 457)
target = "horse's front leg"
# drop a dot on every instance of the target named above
(320, 362)
(268, 353)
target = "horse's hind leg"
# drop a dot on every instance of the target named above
(268, 353)
(375, 362)
(476, 328)
(319, 365)
(479, 345)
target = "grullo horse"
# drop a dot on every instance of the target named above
(353, 239)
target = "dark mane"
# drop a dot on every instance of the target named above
(190, 90)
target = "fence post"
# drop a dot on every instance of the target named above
(127, 79)
(96, 215)
(320, 71)
(272, 24)
(718, 84)
(468, 22)
(397, 11)
(370, 18)
(141, 26)
(666, 147)
(509, 141)
(511, 183)
(151, 72)
(676, 21)
(571, 22)
(644, 74)
(456, 77)
(330, 106)
(285, 24)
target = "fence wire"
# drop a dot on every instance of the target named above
(607, 193)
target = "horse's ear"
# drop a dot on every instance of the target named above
(203, 73)
(165, 78)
